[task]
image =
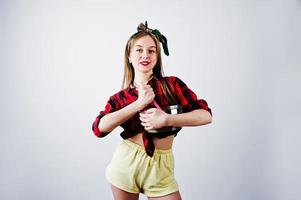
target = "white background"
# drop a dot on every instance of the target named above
(61, 60)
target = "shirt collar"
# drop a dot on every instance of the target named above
(150, 82)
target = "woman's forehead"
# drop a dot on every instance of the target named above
(145, 41)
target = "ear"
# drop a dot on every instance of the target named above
(129, 58)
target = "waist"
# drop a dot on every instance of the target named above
(160, 143)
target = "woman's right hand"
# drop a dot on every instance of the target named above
(145, 95)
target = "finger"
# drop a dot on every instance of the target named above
(141, 92)
(143, 119)
(149, 91)
(150, 111)
(146, 91)
(145, 86)
(145, 124)
(149, 128)
(143, 115)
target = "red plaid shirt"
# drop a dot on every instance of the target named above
(184, 97)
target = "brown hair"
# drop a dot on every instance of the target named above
(129, 73)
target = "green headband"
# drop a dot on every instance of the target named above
(156, 32)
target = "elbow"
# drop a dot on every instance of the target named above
(205, 121)
(206, 118)
(97, 132)
(209, 120)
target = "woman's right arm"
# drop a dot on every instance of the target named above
(112, 120)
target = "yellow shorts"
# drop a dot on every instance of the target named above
(132, 170)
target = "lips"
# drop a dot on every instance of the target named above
(144, 63)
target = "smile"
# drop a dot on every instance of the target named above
(145, 63)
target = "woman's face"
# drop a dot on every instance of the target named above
(143, 55)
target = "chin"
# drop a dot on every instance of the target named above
(145, 68)
(145, 71)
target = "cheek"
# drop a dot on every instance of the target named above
(133, 58)
(154, 57)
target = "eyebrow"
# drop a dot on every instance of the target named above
(137, 45)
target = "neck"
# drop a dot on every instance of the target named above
(142, 79)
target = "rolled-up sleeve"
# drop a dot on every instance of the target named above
(111, 106)
(189, 100)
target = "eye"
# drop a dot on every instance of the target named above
(139, 50)
(152, 51)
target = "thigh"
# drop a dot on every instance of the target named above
(172, 196)
(121, 172)
(160, 180)
(123, 195)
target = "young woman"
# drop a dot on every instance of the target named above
(143, 162)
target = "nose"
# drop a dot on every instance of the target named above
(145, 54)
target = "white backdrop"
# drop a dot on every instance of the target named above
(61, 60)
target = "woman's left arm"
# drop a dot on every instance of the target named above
(196, 117)
(154, 118)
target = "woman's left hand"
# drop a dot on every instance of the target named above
(153, 118)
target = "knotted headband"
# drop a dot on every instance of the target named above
(156, 32)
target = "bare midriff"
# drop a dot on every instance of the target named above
(160, 143)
